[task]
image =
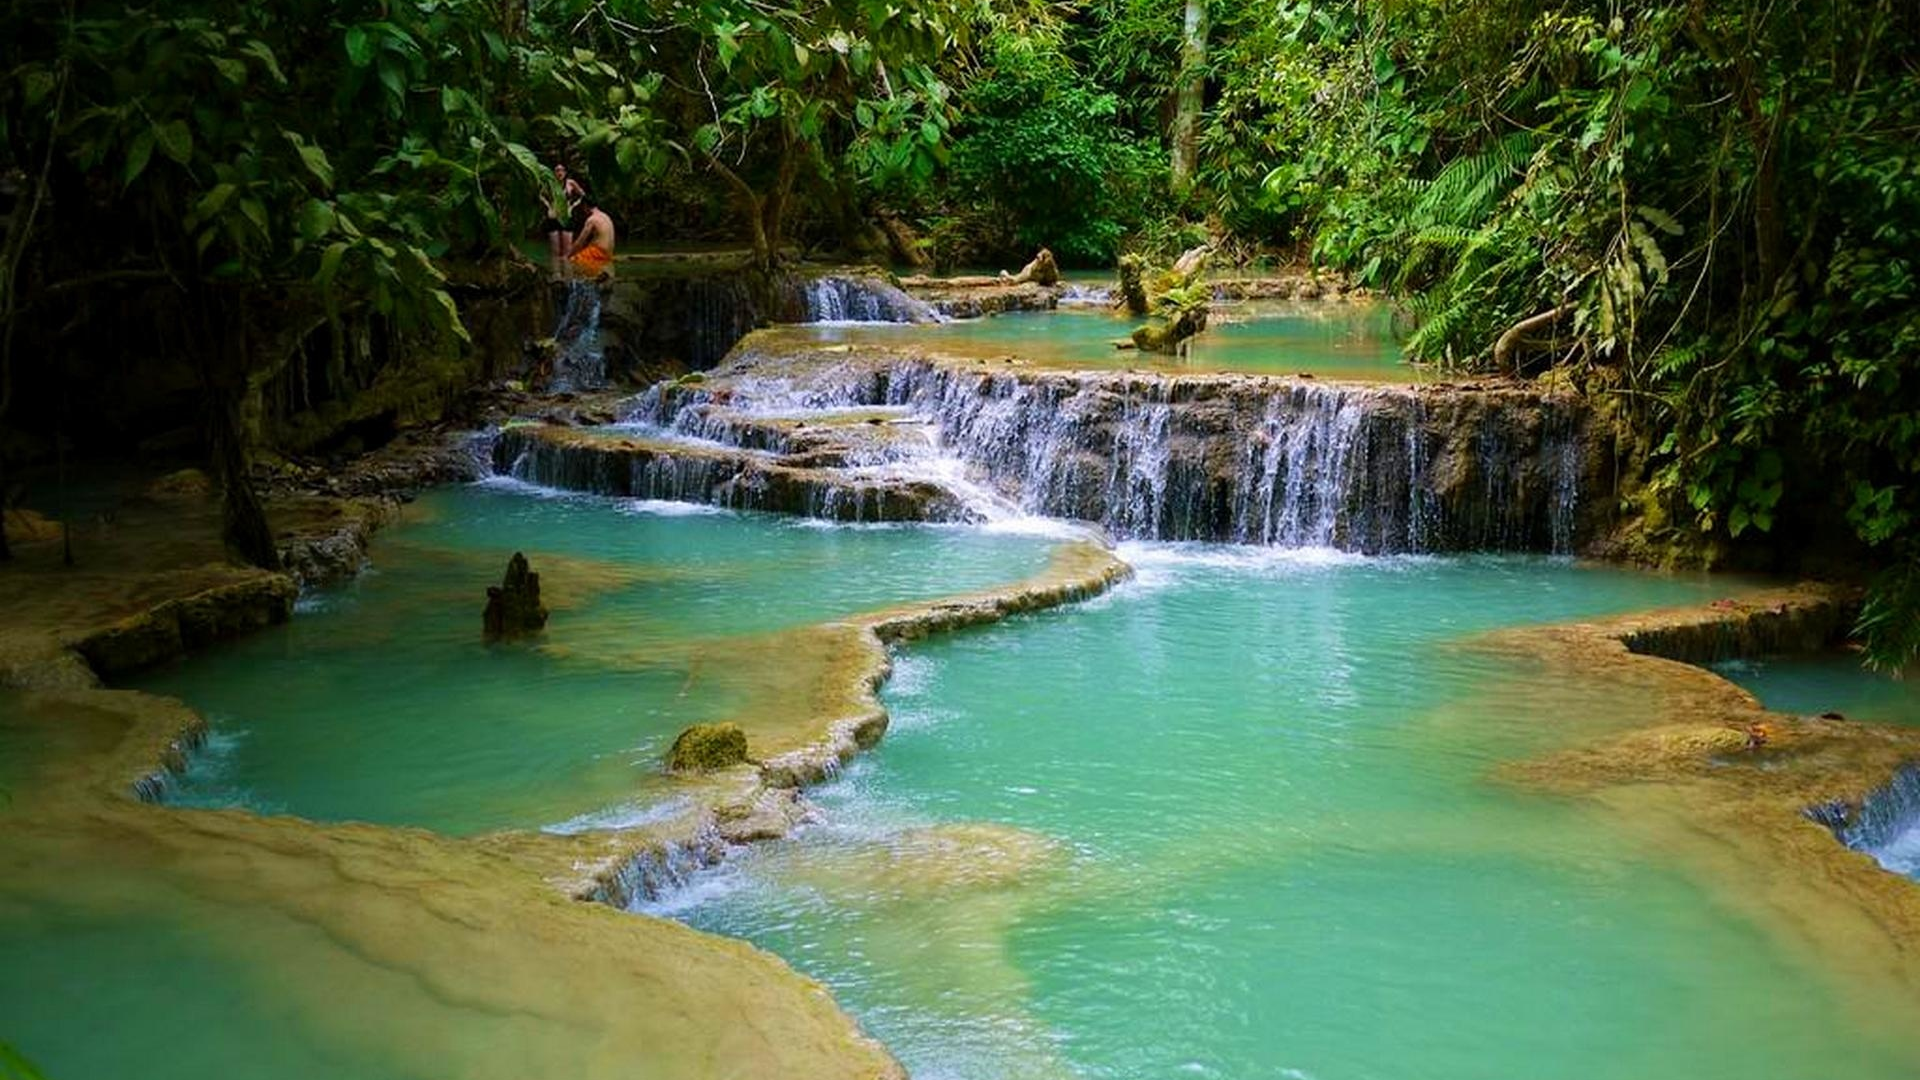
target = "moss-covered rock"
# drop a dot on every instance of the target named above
(707, 747)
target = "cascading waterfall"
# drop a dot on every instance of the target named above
(1300, 465)
(1886, 825)
(837, 299)
(579, 361)
(1358, 468)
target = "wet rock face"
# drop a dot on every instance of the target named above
(513, 607)
(766, 468)
(706, 747)
(866, 434)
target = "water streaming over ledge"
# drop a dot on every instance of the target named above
(579, 361)
(834, 298)
(1372, 469)
(1886, 825)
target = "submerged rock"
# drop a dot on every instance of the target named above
(707, 747)
(513, 607)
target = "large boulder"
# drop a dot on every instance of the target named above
(707, 747)
(513, 607)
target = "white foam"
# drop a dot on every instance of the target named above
(702, 887)
(669, 508)
(626, 815)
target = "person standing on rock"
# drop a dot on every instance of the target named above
(592, 252)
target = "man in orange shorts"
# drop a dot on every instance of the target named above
(592, 251)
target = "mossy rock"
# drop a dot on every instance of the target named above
(707, 747)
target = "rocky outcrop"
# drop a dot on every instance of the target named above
(513, 606)
(707, 747)
(175, 627)
(811, 481)
(975, 297)
(1813, 620)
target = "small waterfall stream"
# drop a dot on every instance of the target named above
(834, 298)
(579, 360)
(1886, 825)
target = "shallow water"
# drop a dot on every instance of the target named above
(1243, 827)
(164, 991)
(1333, 339)
(380, 703)
(1810, 685)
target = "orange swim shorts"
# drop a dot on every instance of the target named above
(591, 261)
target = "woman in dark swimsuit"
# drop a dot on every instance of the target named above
(560, 232)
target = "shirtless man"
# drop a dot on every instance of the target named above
(592, 251)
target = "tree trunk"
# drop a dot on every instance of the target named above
(243, 521)
(754, 208)
(223, 379)
(773, 208)
(1189, 95)
(6, 550)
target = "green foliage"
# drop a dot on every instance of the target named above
(766, 98)
(1714, 209)
(1038, 151)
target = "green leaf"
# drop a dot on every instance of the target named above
(930, 133)
(315, 159)
(359, 47)
(256, 212)
(330, 263)
(230, 69)
(450, 313)
(1659, 219)
(394, 78)
(35, 85)
(316, 220)
(260, 51)
(175, 140)
(529, 161)
(137, 155)
(214, 201)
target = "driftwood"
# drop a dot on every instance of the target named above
(1041, 270)
(1503, 348)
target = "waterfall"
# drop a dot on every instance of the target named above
(1372, 469)
(1886, 825)
(1086, 295)
(654, 874)
(838, 299)
(1252, 461)
(579, 362)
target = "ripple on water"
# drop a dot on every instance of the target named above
(1281, 855)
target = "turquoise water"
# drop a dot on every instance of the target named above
(1811, 685)
(1244, 827)
(1333, 339)
(380, 703)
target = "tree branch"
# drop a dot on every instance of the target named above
(1510, 340)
